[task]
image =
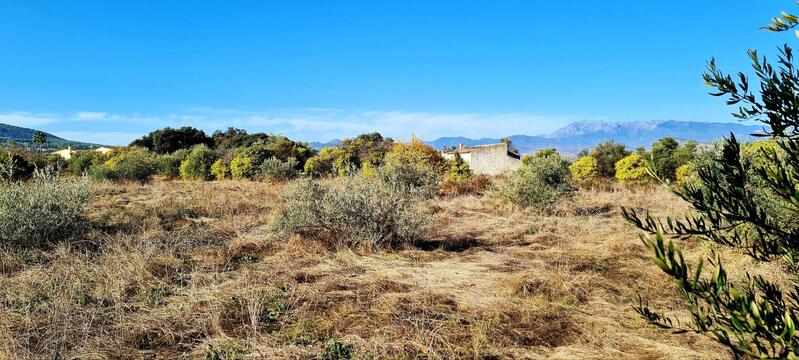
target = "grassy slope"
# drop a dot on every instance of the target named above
(182, 268)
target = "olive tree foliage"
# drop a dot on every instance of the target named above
(754, 317)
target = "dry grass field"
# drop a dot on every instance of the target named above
(192, 270)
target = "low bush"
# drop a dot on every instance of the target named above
(220, 170)
(14, 165)
(584, 170)
(136, 164)
(361, 212)
(686, 175)
(197, 165)
(241, 167)
(413, 178)
(169, 166)
(416, 151)
(276, 169)
(458, 169)
(80, 163)
(540, 182)
(632, 170)
(42, 211)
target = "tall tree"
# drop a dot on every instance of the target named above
(755, 316)
(607, 154)
(169, 140)
(39, 139)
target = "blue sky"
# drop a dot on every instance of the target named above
(110, 71)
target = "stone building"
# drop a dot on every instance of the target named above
(492, 159)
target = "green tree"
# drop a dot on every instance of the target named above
(169, 140)
(756, 316)
(39, 139)
(607, 154)
(350, 155)
(663, 156)
(233, 138)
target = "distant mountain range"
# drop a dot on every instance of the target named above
(569, 139)
(24, 136)
(576, 136)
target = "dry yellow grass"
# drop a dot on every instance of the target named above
(178, 269)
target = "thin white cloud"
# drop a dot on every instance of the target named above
(90, 115)
(99, 137)
(26, 119)
(310, 124)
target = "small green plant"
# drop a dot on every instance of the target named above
(337, 350)
(225, 353)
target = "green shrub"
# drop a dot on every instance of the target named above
(197, 165)
(632, 169)
(220, 170)
(349, 156)
(169, 166)
(413, 178)
(276, 169)
(607, 154)
(359, 212)
(458, 169)
(44, 210)
(241, 167)
(14, 165)
(337, 350)
(80, 163)
(136, 164)
(320, 165)
(584, 170)
(416, 152)
(541, 182)
(685, 175)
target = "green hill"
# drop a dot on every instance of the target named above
(24, 136)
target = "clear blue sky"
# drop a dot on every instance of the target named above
(109, 71)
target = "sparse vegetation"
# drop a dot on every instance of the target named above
(42, 211)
